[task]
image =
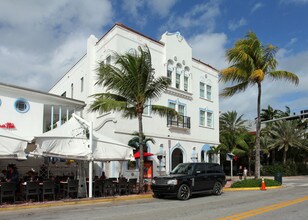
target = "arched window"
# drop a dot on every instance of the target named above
(186, 78)
(178, 76)
(170, 69)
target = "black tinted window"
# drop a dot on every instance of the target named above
(200, 168)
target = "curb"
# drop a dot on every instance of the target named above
(74, 202)
(252, 188)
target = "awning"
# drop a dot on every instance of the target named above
(145, 154)
(12, 146)
(70, 141)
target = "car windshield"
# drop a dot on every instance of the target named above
(183, 168)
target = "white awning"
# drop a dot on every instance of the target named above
(70, 141)
(12, 146)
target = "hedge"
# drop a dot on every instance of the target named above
(254, 183)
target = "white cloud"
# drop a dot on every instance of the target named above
(162, 8)
(233, 25)
(210, 48)
(40, 44)
(200, 15)
(256, 7)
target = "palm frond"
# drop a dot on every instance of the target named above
(230, 91)
(280, 74)
(163, 110)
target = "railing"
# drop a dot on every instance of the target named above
(180, 121)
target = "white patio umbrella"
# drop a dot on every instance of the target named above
(12, 146)
(72, 141)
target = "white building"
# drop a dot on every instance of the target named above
(194, 94)
(28, 113)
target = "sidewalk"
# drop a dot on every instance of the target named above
(110, 199)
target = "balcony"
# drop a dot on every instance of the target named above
(180, 121)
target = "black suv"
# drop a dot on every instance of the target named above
(190, 178)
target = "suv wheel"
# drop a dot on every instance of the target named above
(217, 189)
(184, 192)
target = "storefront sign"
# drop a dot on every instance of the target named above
(8, 125)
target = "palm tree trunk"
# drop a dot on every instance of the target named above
(258, 129)
(273, 156)
(141, 165)
(284, 157)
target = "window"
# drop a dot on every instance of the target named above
(72, 90)
(178, 76)
(181, 109)
(202, 89)
(81, 84)
(209, 119)
(186, 83)
(209, 92)
(172, 105)
(169, 72)
(202, 118)
(22, 105)
(177, 80)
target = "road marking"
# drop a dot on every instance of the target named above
(264, 209)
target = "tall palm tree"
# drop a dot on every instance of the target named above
(230, 122)
(287, 134)
(250, 63)
(130, 84)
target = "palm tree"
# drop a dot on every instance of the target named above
(251, 62)
(134, 142)
(287, 134)
(270, 113)
(230, 122)
(130, 84)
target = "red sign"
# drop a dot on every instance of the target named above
(8, 125)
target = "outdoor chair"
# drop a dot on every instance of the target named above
(7, 190)
(109, 187)
(70, 188)
(122, 186)
(132, 185)
(48, 189)
(32, 189)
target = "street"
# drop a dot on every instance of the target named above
(290, 202)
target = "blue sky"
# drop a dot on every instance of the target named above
(39, 42)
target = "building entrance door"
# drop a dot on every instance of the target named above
(177, 157)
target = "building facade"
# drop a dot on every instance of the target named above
(28, 113)
(193, 93)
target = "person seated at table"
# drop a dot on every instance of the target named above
(12, 174)
(31, 176)
(103, 176)
(3, 175)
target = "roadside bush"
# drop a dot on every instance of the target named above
(289, 169)
(254, 183)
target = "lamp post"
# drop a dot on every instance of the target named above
(169, 147)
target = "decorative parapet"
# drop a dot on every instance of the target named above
(179, 93)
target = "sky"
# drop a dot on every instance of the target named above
(40, 40)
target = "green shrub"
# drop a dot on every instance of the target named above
(254, 183)
(289, 169)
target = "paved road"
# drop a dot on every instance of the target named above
(290, 202)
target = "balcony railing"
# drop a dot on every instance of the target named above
(180, 121)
